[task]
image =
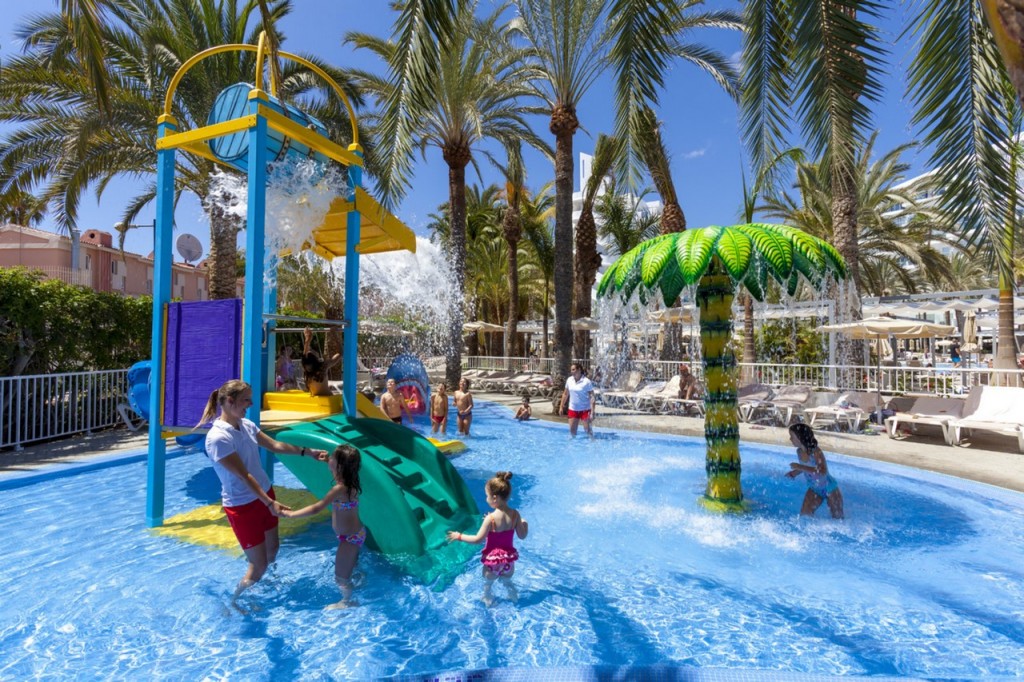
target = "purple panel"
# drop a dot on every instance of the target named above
(204, 349)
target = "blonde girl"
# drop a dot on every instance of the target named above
(499, 555)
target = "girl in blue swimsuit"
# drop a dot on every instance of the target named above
(821, 487)
(343, 498)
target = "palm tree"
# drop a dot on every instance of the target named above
(820, 59)
(567, 46)
(512, 230)
(21, 208)
(608, 153)
(538, 230)
(894, 228)
(718, 259)
(971, 118)
(625, 220)
(65, 141)
(475, 96)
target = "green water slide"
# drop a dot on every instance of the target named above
(411, 495)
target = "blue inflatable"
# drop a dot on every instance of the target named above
(411, 379)
(138, 398)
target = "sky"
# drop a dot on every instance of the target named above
(700, 122)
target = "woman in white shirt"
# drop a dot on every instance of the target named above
(579, 393)
(233, 444)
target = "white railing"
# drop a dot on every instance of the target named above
(66, 275)
(45, 406)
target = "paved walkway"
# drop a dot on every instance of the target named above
(990, 459)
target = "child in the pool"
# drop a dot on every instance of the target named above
(821, 487)
(344, 500)
(499, 556)
(525, 411)
(439, 409)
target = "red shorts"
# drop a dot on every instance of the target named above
(582, 414)
(252, 521)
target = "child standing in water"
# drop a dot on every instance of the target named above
(344, 500)
(821, 487)
(499, 556)
(439, 409)
(463, 407)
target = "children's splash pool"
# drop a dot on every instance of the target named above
(622, 567)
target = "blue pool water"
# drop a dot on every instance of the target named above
(621, 567)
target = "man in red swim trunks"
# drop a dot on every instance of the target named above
(579, 393)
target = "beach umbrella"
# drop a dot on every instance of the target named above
(672, 315)
(481, 326)
(720, 260)
(875, 328)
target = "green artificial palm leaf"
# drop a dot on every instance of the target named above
(803, 243)
(776, 252)
(756, 280)
(734, 248)
(671, 282)
(793, 282)
(626, 263)
(657, 255)
(693, 251)
(607, 278)
(833, 259)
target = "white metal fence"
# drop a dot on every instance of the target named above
(44, 406)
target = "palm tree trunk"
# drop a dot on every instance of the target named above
(844, 229)
(1006, 19)
(672, 217)
(749, 350)
(715, 292)
(563, 125)
(456, 316)
(223, 252)
(513, 300)
(547, 307)
(587, 262)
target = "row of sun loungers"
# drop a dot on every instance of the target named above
(656, 397)
(995, 409)
(530, 384)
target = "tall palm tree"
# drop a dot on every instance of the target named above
(608, 152)
(971, 118)
(21, 208)
(625, 220)
(819, 59)
(538, 230)
(894, 228)
(66, 142)
(475, 96)
(567, 41)
(512, 231)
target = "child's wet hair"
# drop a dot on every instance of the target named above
(526, 399)
(500, 485)
(804, 434)
(346, 468)
(466, 381)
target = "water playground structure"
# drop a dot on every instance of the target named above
(411, 382)
(413, 494)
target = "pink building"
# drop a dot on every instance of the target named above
(93, 261)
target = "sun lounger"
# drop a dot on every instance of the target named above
(685, 406)
(624, 389)
(657, 402)
(749, 397)
(786, 401)
(644, 395)
(999, 409)
(927, 410)
(849, 409)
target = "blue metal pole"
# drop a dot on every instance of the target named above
(270, 307)
(348, 362)
(162, 258)
(255, 250)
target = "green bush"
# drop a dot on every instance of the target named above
(47, 326)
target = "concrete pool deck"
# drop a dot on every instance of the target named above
(990, 459)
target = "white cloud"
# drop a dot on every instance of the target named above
(695, 154)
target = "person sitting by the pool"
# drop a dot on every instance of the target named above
(821, 487)
(499, 556)
(315, 368)
(344, 463)
(525, 411)
(285, 370)
(688, 387)
(463, 407)
(579, 394)
(393, 403)
(233, 444)
(439, 409)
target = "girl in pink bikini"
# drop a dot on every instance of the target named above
(499, 556)
(344, 500)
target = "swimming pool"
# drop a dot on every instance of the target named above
(622, 566)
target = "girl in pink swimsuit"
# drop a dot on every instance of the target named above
(499, 556)
(344, 501)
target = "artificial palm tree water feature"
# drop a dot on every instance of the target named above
(718, 260)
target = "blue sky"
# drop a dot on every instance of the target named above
(700, 121)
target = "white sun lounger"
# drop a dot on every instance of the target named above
(999, 409)
(849, 408)
(749, 397)
(927, 410)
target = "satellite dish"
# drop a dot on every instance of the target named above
(189, 248)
